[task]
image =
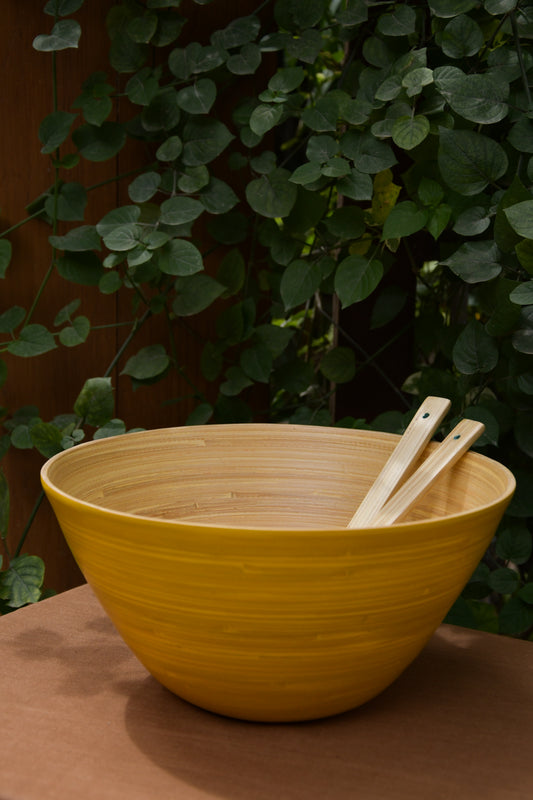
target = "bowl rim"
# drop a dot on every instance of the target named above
(53, 490)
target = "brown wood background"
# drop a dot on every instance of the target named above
(52, 381)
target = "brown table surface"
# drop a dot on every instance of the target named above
(82, 719)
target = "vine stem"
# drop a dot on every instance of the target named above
(29, 523)
(135, 327)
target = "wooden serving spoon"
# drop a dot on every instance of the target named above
(404, 456)
(379, 510)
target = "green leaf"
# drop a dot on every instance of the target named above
(338, 365)
(474, 350)
(143, 87)
(306, 47)
(94, 100)
(71, 203)
(356, 278)
(232, 272)
(390, 302)
(287, 79)
(82, 268)
(523, 294)
(205, 139)
(62, 8)
(356, 185)
(520, 217)
(472, 221)
(236, 381)
(99, 143)
(141, 28)
(321, 148)
(451, 8)
(179, 210)
(46, 438)
(148, 363)
(272, 195)
(11, 319)
(476, 97)
(403, 220)
(170, 149)
(144, 186)
(218, 197)
(21, 437)
(21, 583)
(299, 282)
(475, 262)
(65, 34)
(33, 340)
(400, 22)
(195, 293)
(294, 376)
(492, 428)
(123, 237)
(256, 362)
(162, 113)
(462, 37)
(54, 129)
(95, 403)
(201, 415)
(296, 15)
(5, 256)
(274, 337)
(306, 173)
(116, 217)
(199, 97)
(469, 161)
(346, 223)
(193, 179)
(415, 80)
(115, 427)
(515, 617)
(354, 13)
(521, 135)
(514, 543)
(85, 237)
(323, 115)
(410, 131)
(179, 257)
(246, 61)
(240, 31)
(264, 117)
(264, 163)
(438, 220)
(169, 27)
(76, 333)
(368, 154)
(499, 6)
(523, 432)
(110, 282)
(336, 168)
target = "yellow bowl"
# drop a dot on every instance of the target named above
(221, 555)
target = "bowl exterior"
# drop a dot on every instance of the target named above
(272, 624)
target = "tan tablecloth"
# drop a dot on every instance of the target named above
(82, 720)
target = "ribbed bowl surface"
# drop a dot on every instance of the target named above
(221, 554)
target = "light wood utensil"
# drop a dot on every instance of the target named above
(399, 465)
(439, 461)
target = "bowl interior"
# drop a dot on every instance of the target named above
(257, 475)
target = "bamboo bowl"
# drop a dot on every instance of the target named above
(221, 555)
